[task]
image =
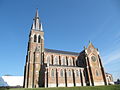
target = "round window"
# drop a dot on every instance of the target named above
(93, 58)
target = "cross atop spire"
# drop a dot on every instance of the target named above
(37, 25)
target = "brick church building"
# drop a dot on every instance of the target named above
(54, 68)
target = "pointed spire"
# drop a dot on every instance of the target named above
(36, 15)
(33, 26)
(41, 27)
(37, 25)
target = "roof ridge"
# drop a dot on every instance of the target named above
(61, 51)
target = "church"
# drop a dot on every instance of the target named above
(54, 68)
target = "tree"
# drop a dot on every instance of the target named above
(118, 80)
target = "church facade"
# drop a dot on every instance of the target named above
(54, 68)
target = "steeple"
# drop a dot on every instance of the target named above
(37, 25)
(37, 16)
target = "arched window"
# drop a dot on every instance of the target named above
(52, 73)
(61, 73)
(79, 62)
(48, 60)
(56, 60)
(77, 73)
(35, 38)
(39, 39)
(70, 62)
(69, 73)
(97, 74)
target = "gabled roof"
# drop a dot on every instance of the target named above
(108, 73)
(61, 52)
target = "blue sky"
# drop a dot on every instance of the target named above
(68, 25)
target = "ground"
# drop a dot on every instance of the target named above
(112, 87)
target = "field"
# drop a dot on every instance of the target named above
(112, 87)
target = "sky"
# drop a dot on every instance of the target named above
(68, 25)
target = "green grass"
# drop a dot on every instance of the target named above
(112, 87)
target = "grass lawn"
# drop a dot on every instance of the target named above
(112, 87)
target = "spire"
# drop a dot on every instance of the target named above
(41, 27)
(36, 22)
(37, 16)
(33, 26)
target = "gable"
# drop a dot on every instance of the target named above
(91, 49)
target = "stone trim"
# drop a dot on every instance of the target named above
(51, 85)
(99, 83)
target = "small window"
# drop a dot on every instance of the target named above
(35, 38)
(61, 73)
(39, 39)
(52, 73)
(97, 74)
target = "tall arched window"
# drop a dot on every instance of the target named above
(97, 74)
(69, 73)
(70, 62)
(56, 60)
(39, 39)
(35, 38)
(52, 73)
(61, 73)
(48, 60)
(77, 73)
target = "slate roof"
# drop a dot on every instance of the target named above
(61, 52)
(108, 73)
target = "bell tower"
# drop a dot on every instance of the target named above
(34, 55)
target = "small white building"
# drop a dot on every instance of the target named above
(11, 81)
